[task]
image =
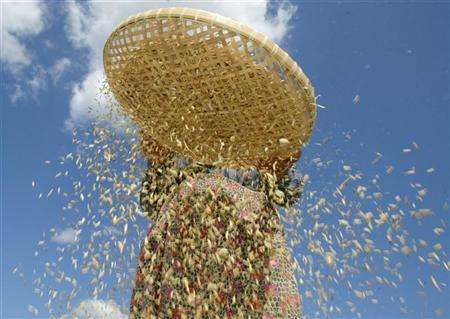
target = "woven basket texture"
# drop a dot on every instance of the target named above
(209, 88)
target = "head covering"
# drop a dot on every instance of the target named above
(209, 88)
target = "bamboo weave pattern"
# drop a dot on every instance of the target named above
(209, 88)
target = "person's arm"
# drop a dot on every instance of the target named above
(278, 166)
(285, 188)
(282, 166)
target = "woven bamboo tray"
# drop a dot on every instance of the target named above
(209, 88)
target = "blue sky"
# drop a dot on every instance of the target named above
(393, 55)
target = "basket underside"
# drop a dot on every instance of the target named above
(208, 90)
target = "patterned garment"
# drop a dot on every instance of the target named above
(154, 290)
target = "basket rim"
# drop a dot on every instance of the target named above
(218, 20)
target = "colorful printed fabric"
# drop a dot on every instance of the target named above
(154, 290)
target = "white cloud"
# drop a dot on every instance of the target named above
(38, 81)
(19, 20)
(59, 68)
(49, 44)
(88, 102)
(67, 236)
(96, 309)
(17, 95)
(30, 84)
(22, 21)
(89, 25)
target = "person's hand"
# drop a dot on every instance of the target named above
(282, 165)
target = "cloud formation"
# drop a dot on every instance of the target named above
(59, 68)
(17, 95)
(67, 236)
(20, 20)
(96, 309)
(89, 25)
